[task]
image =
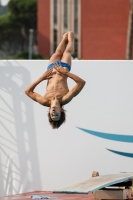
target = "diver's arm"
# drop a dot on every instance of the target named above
(76, 89)
(35, 96)
(73, 92)
(76, 78)
(79, 81)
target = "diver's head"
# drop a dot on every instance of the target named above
(56, 116)
(55, 113)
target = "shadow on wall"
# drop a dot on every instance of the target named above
(19, 168)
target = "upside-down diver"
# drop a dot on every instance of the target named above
(57, 92)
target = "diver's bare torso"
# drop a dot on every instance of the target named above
(56, 87)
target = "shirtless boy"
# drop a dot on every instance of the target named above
(57, 91)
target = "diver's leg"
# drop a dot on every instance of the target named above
(69, 49)
(60, 49)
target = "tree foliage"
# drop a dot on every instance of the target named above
(7, 27)
(23, 12)
(20, 18)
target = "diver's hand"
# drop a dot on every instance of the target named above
(61, 70)
(47, 74)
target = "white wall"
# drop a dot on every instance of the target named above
(35, 157)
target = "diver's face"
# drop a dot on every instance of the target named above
(55, 113)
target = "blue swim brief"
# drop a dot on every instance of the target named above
(63, 64)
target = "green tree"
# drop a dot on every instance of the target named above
(8, 28)
(15, 25)
(21, 17)
(23, 13)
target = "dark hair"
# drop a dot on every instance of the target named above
(57, 124)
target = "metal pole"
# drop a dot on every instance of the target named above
(30, 42)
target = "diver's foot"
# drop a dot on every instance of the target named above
(70, 35)
(65, 37)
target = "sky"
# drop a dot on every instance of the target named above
(4, 2)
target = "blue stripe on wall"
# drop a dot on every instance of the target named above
(109, 136)
(122, 153)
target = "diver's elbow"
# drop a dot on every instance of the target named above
(83, 82)
(26, 92)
